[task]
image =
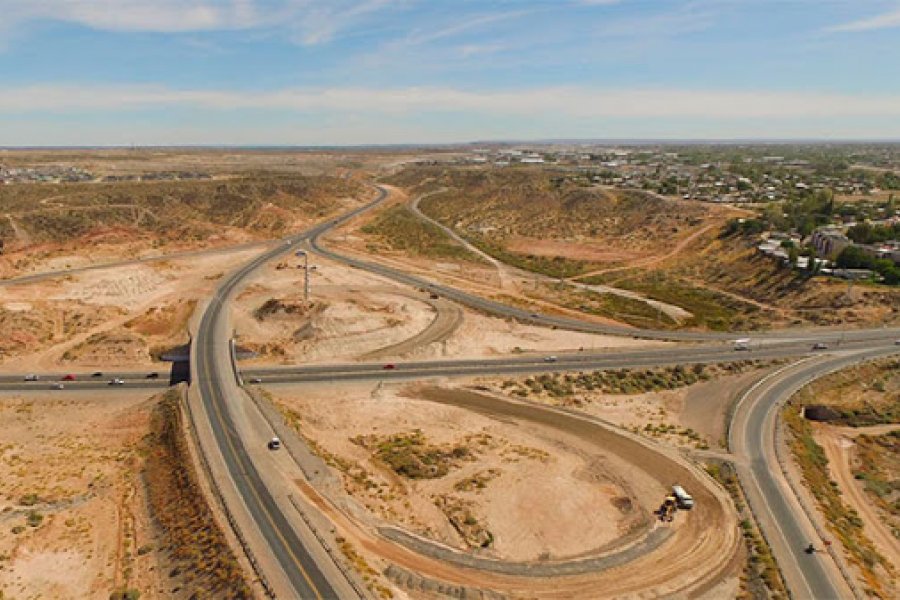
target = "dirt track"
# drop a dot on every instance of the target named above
(838, 444)
(447, 320)
(696, 556)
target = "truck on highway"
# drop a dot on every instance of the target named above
(684, 500)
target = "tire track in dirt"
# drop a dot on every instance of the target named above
(700, 550)
(838, 444)
(447, 320)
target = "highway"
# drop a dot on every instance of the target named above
(752, 432)
(752, 437)
(526, 316)
(539, 364)
(212, 372)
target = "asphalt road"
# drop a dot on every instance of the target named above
(214, 376)
(43, 275)
(782, 519)
(502, 310)
(717, 353)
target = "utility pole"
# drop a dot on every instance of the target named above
(305, 256)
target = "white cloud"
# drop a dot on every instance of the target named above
(137, 15)
(319, 21)
(549, 102)
(309, 21)
(883, 21)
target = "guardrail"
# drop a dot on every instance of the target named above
(348, 575)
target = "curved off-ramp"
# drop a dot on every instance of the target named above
(447, 319)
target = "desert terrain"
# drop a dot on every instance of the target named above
(82, 488)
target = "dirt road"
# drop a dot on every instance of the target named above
(838, 445)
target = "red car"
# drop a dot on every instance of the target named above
(68, 377)
(390, 366)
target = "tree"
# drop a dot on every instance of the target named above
(853, 257)
(793, 254)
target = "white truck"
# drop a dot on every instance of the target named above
(684, 500)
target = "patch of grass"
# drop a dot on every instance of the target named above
(762, 577)
(398, 228)
(623, 381)
(708, 308)
(29, 499)
(33, 518)
(553, 266)
(411, 456)
(612, 306)
(477, 481)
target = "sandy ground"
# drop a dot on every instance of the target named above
(108, 317)
(839, 445)
(542, 494)
(77, 455)
(565, 503)
(353, 313)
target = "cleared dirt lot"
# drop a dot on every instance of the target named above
(352, 314)
(545, 485)
(118, 316)
(73, 516)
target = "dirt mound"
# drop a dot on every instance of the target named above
(45, 323)
(163, 321)
(287, 307)
(117, 346)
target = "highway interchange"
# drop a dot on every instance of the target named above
(215, 377)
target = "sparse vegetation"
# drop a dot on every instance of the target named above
(398, 228)
(369, 575)
(566, 386)
(410, 454)
(192, 538)
(462, 518)
(263, 203)
(878, 459)
(841, 519)
(761, 572)
(709, 309)
(867, 394)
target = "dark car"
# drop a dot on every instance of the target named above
(68, 377)
(97, 374)
(390, 366)
(152, 375)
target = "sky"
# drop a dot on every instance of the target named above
(348, 72)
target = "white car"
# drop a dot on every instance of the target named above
(274, 444)
(32, 377)
(116, 381)
(59, 386)
(550, 359)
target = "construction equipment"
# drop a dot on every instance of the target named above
(668, 509)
